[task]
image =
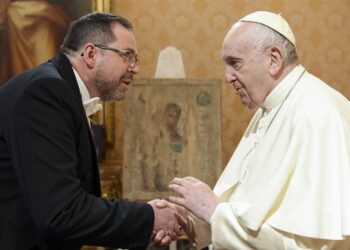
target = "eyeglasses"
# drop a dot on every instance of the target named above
(131, 58)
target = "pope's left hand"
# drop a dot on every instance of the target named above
(197, 196)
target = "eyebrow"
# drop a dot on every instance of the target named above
(130, 50)
(232, 58)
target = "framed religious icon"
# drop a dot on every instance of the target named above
(172, 129)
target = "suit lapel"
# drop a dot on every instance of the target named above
(65, 70)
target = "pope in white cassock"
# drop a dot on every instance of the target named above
(287, 185)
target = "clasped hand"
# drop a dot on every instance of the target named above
(172, 219)
(166, 227)
(196, 196)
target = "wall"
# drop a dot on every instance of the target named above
(197, 28)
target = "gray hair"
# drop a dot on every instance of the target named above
(95, 28)
(261, 37)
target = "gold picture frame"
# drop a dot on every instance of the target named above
(101, 5)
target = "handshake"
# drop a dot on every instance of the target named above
(170, 222)
(172, 218)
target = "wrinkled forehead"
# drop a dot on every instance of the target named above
(235, 39)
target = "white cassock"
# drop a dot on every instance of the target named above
(287, 185)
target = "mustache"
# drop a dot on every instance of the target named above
(127, 77)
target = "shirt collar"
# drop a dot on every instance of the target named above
(85, 95)
(280, 92)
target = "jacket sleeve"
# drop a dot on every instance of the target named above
(42, 136)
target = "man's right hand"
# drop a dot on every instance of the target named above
(166, 227)
(183, 218)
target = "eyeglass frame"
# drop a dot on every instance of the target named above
(131, 57)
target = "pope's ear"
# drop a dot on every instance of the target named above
(276, 61)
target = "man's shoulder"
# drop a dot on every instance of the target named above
(314, 96)
(43, 82)
(58, 67)
(25, 78)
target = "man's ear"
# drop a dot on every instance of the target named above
(276, 61)
(89, 55)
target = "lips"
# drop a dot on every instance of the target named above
(127, 79)
(240, 91)
(124, 84)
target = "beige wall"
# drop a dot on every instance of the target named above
(197, 28)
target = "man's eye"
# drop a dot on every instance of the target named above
(236, 64)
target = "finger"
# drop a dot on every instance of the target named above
(154, 232)
(159, 236)
(177, 188)
(185, 225)
(179, 209)
(172, 206)
(191, 179)
(161, 204)
(152, 202)
(178, 200)
(178, 181)
(172, 234)
(166, 241)
(182, 221)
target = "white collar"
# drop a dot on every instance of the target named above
(279, 93)
(85, 95)
(91, 105)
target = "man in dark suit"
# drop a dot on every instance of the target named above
(49, 178)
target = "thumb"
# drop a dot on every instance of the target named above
(161, 204)
(185, 223)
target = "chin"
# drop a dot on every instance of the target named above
(119, 97)
(252, 106)
(249, 104)
(246, 103)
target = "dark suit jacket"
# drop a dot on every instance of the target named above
(49, 180)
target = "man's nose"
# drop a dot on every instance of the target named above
(230, 74)
(135, 69)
